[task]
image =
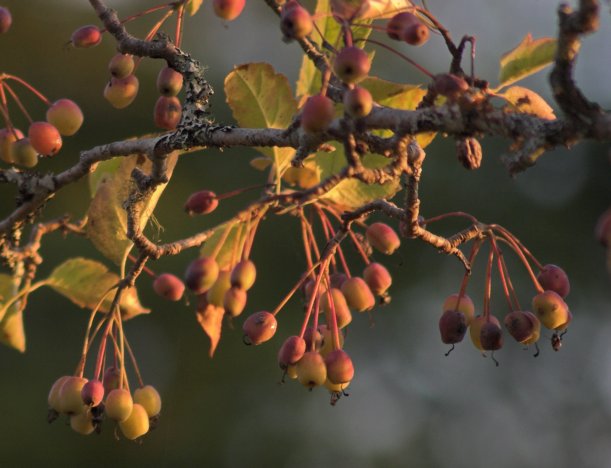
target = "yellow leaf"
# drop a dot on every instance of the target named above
(529, 102)
(211, 320)
(192, 6)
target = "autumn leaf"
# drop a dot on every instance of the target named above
(211, 320)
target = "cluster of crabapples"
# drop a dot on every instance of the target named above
(88, 403)
(548, 310)
(44, 138)
(314, 357)
(123, 85)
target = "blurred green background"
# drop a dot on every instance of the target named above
(409, 405)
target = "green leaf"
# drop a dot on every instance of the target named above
(85, 282)
(309, 80)
(12, 333)
(259, 98)
(225, 254)
(530, 56)
(192, 6)
(107, 219)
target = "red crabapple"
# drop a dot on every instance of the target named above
(358, 102)
(259, 327)
(169, 287)
(45, 138)
(317, 113)
(169, 82)
(554, 278)
(295, 21)
(86, 36)
(5, 20)
(351, 64)
(167, 112)
(383, 238)
(228, 9)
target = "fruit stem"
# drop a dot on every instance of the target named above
(239, 191)
(290, 294)
(322, 267)
(306, 242)
(32, 89)
(340, 251)
(518, 242)
(134, 362)
(511, 288)
(250, 238)
(81, 366)
(146, 269)
(488, 287)
(516, 248)
(149, 11)
(179, 24)
(18, 102)
(497, 252)
(399, 54)
(467, 275)
(19, 295)
(334, 327)
(461, 214)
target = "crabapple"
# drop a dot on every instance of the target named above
(383, 238)
(317, 113)
(551, 309)
(70, 400)
(169, 82)
(523, 326)
(167, 112)
(377, 278)
(7, 138)
(554, 278)
(351, 64)
(244, 275)
(66, 116)
(148, 397)
(169, 287)
(121, 92)
(202, 202)
(358, 295)
(465, 305)
(291, 351)
(295, 21)
(24, 153)
(358, 102)
(452, 326)
(201, 274)
(311, 370)
(397, 24)
(86, 36)
(92, 393)
(342, 312)
(259, 327)
(228, 9)
(119, 404)
(234, 301)
(121, 65)
(82, 423)
(6, 20)
(136, 424)
(340, 369)
(44, 138)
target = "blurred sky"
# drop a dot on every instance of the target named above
(409, 405)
